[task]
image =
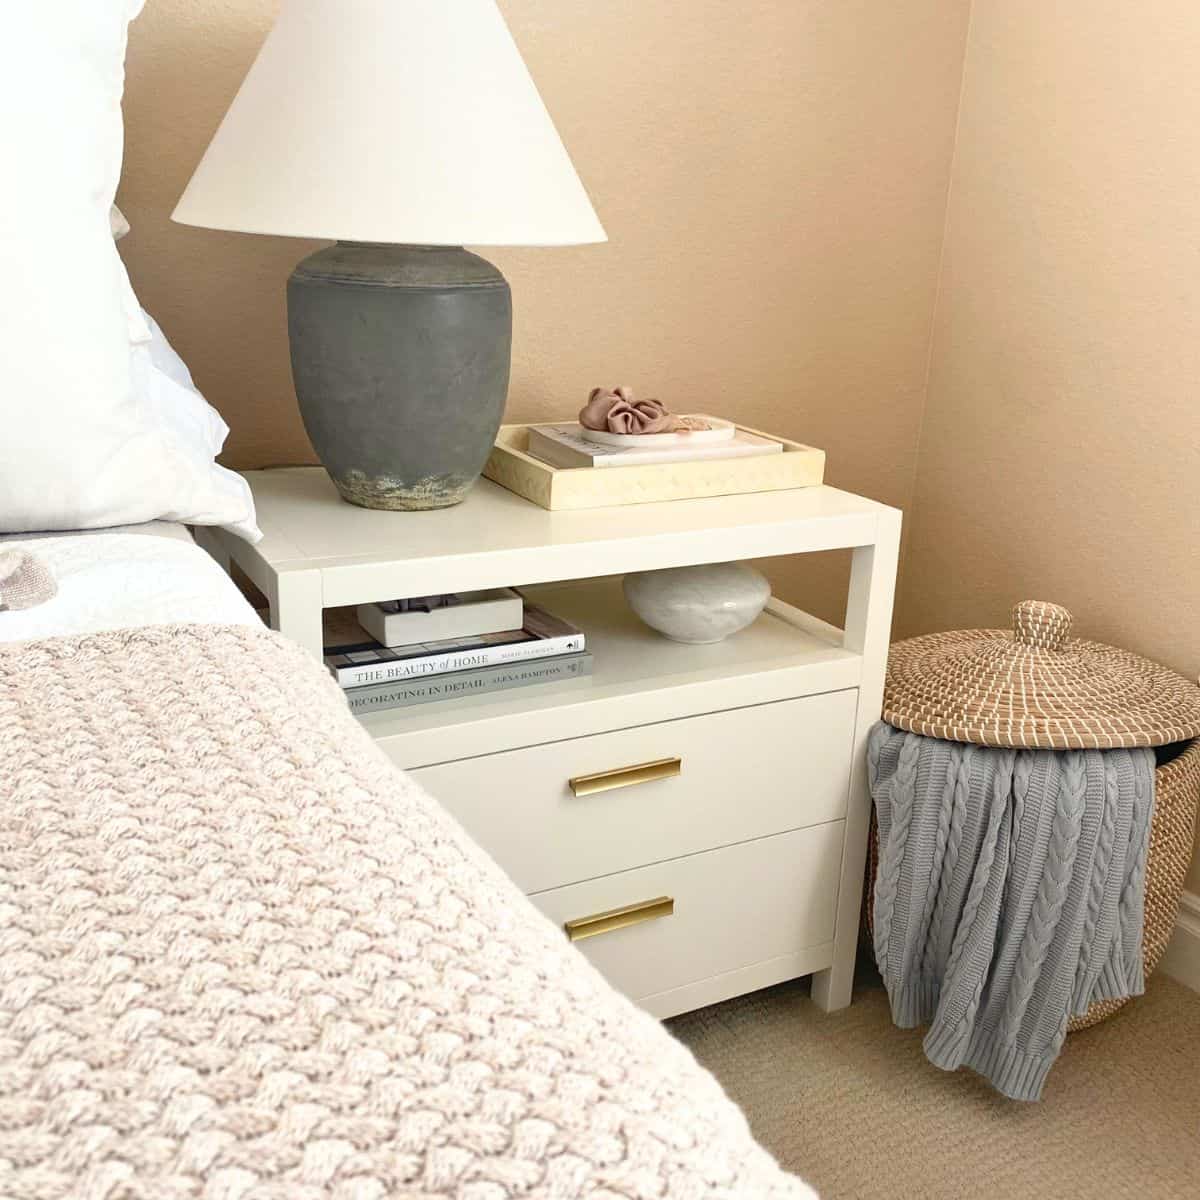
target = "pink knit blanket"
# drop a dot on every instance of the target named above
(242, 957)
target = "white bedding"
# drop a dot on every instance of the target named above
(165, 529)
(110, 581)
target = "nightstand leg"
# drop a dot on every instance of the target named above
(296, 608)
(868, 631)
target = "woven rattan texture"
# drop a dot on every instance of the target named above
(1176, 798)
(1034, 688)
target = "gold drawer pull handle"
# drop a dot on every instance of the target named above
(620, 918)
(619, 777)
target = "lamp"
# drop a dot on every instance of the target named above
(403, 129)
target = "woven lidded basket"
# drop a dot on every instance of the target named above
(1037, 688)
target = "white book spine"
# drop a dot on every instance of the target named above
(467, 683)
(459, 660)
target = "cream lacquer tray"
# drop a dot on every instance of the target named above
(511, 466)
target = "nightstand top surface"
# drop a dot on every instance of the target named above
(496, 538)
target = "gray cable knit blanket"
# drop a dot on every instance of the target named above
(1008, 896)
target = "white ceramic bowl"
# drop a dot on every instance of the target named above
(698, 605)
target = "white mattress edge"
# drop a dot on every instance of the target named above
(163, 529)
(111, 581)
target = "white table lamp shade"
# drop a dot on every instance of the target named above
(401, 121)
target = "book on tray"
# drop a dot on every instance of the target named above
(564, 445)
(375, 676)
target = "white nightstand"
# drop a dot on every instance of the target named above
(735, 859)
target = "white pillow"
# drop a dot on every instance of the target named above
(88, 436)
(192, 428)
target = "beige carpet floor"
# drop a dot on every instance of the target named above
(849, 1102)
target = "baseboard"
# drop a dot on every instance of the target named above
(1182, 959)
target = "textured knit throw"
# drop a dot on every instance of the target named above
(1008, 895)
(242, 957)
(25, 580)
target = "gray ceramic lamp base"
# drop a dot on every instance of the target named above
(401, 358)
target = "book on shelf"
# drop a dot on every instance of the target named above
(402, 693)
(460, 614)
(356, 663)
(563, 445)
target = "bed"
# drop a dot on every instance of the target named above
(242, 956)
(151, 574)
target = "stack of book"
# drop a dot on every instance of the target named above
(438, 648)
(564, 445)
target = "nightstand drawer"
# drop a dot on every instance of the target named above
(660, 929)
(568, 811)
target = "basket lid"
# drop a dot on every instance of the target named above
(1036, 687)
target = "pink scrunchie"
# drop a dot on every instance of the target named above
(618, 410)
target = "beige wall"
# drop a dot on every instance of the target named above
(1061, 449)
(772, 177)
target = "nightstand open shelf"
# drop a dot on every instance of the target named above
(639, 677)
(732, 827)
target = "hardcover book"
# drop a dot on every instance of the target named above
(405, 692)
(543, 636)
(565, 446)
(469, 614)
